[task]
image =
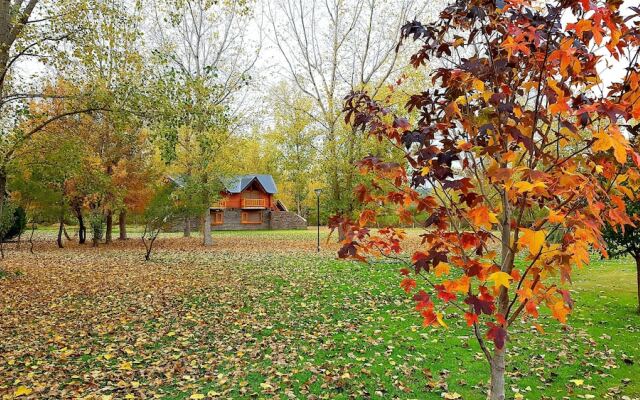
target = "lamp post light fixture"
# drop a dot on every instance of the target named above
(318, 192)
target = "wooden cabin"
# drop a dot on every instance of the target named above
(247, 202)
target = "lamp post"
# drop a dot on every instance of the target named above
(318, 192)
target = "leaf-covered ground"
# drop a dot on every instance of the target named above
(261, 315)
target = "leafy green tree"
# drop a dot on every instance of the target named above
(296, 139)
(161, 210)
(191, 129)
(36, 32)
(625, 240)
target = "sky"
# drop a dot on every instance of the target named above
(271, 68)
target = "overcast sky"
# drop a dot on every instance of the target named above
(270, 67)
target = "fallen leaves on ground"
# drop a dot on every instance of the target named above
(255, 316)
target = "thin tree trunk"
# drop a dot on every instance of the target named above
(122, 222)
(3, 185)
(60, 230)
(148, 245)
(66, 234)
(3, 188)
(638, 280)
(497, 374)
(82, 230)
(187, 227)
(107, 236)
(208, 240)
(341, 233)
(33, 228)
(498, 362)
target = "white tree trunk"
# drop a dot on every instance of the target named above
(208, 240)
(497, 374)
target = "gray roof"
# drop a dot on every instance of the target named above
(239, 183)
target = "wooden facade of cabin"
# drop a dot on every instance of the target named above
(248, 203)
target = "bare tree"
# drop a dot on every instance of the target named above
(208, 42)
(331, 47)
(207, 39)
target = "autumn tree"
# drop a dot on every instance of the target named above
(204, 56)
(108, 59)
(159, 212)
(44, 174)
(295, 139)
(330, 48)
(625, 240)
(35, 32)
(518, 117)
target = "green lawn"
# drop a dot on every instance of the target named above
(261, 315)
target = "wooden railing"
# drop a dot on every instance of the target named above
(219, 204)
(253, 203)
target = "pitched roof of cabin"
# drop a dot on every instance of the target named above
(239, 183)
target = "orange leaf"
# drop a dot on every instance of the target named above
(532, 240)
(482, 217)
(408, 284)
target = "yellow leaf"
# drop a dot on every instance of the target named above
(486, 95)
(451, 396)
(125, 366)
(555, 217)
(500, 278)
(425, 171)
(612, 139)
(524, 186)
(478, 85)
(22, 391)
(559, 311)
(577, 382)
(441, 269)
(197, 396)
(440, 320)
(533, 240)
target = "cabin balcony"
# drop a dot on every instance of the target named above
(220, 204)
(254, 203)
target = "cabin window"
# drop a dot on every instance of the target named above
(252, 194)
(249, 217)
(218, 218)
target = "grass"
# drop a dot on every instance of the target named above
(261, 315)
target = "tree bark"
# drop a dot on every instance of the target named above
(497, 374)
(60, 229)
(82, 229)
(122, 223)
(107, 236)
(3, 185)
(638, 280)
(208, 240)
(66, 234)
(187, 227)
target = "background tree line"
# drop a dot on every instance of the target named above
(101, 100)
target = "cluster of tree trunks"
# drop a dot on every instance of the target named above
(82, 228)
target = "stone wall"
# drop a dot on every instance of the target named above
(233, 222)
(287, 220)
(177, 225)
